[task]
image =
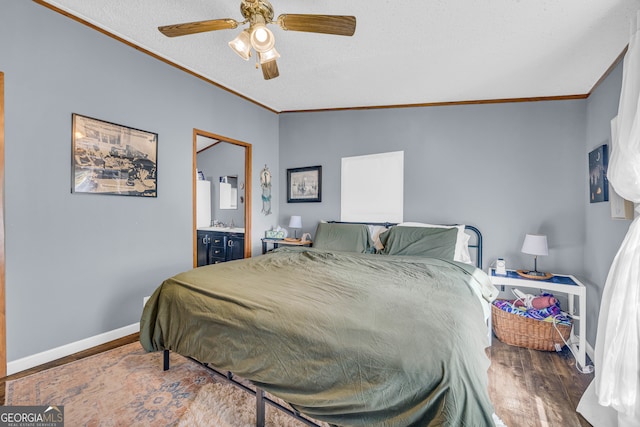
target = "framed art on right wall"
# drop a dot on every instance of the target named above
(598, 183)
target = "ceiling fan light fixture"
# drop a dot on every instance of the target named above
(259, 13)
(242, 45)
(262, 38)
(270, 55)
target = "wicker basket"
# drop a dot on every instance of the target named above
(525, 332)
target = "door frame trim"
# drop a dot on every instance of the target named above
(247, 189)
(3, 320)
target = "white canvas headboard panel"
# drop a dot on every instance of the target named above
(372, 188)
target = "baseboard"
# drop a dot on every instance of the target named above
(68, 349)
(590, 352)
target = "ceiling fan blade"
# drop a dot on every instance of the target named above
(270, 70)
(198, 27)
(327, 24)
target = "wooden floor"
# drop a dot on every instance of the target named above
(535, 388)
(527, 387)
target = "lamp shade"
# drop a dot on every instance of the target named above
(295, 222)
(270, 55)
(242, 45)
(535, 244)
(262, 38)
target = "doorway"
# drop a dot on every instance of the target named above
(212, 140)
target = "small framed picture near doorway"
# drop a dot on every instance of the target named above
(304, 184)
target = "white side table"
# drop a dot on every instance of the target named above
(558, 283)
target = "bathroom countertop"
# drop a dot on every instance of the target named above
(223, 229)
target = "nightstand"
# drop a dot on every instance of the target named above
(558, 283)
(281, 242)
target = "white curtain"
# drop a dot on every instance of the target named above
(614, 396)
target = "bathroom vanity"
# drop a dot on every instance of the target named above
(219, 244)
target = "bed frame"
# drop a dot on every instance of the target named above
(261, 398)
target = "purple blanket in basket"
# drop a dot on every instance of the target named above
(549, 314)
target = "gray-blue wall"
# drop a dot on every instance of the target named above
(509, 169)
(78, 265)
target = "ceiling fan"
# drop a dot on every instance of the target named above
(259, 13)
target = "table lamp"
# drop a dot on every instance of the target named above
(295, 222)
(536, 245)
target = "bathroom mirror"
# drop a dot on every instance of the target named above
(229, 192)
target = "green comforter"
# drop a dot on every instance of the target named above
(350, 339)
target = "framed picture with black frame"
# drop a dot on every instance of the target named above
(304, 184)
(598, 182)
(107, 158)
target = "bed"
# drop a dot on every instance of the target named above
(343, 335)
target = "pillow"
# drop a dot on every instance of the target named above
(420, 241)
(342, 237)
(462, 241)
(375, 231)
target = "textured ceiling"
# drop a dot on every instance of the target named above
(404, 52)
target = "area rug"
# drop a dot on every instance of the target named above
(221, 404)
(126, 386)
